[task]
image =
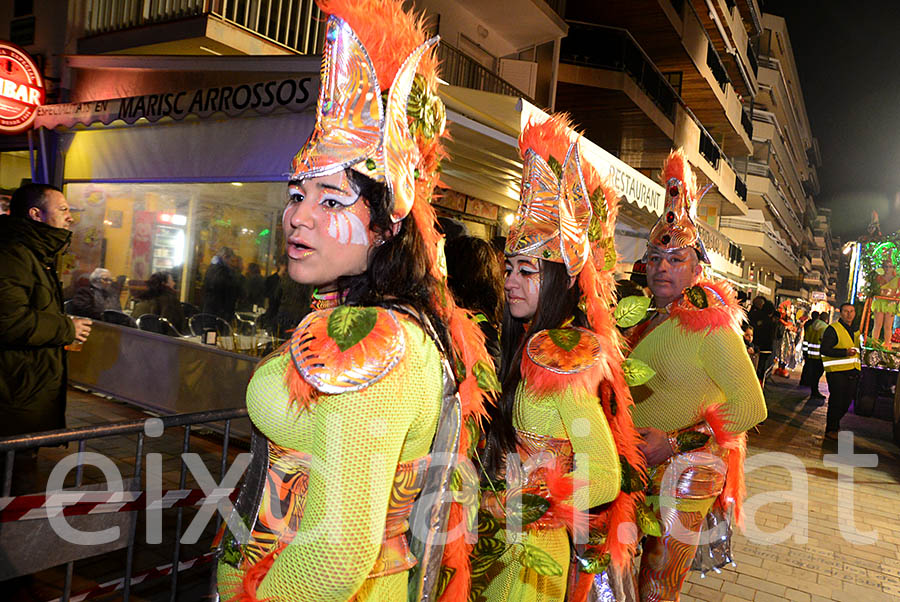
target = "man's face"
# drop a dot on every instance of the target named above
(748, 335)
(670, 272)
(848, 312)
(55, 212)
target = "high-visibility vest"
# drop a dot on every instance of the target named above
(845, 341)
(814, 336)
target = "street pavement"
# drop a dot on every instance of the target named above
(839, 548)
(805, 537)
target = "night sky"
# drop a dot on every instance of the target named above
(848, 57)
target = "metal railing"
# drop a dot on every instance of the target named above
(295, 24)
(458, 69)
(751, 56)
(714, 240)
(715, 65)
(709, 149)
(747, 123)
(742, 223)
(9, 446)
(740, 188)
(604, 47)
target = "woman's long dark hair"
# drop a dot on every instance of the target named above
(156, 286)
(556, 303)
(475, 277)
(398, 272)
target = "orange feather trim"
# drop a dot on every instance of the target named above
(253, 577)
(677, 166)
(735, 445)
(301, 394)
(389, 34)
(723, 310)
(549, 138)
(560, 487)
(456, 557)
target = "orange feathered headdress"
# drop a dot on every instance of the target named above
(374, 49)
(676, 227)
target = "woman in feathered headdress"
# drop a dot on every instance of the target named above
(561, 437)
(362, 415)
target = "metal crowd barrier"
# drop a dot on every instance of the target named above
(14, 508)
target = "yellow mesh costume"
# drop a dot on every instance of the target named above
(360, 438)
(569, 425)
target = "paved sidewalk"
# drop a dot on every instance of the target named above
(817, 563)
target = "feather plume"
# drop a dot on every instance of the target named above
(388, 33)
(677, 166)
(245, 591)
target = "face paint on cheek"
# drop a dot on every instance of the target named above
(533, 285)
(347, 228)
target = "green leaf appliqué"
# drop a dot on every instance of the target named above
(348, 325)
(697, 296)
(485, 377)
(636, 372)
(565, 338)
(540, 561)
(631, 310)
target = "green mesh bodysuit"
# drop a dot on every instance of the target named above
(357, 439)
(565, 420)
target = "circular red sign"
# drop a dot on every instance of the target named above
(21, 89)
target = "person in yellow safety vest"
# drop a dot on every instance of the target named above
(816, 332)
(840, 357)
(807, 333)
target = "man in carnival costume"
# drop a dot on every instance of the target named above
(564, 407)
(362, 418)
(693, 412)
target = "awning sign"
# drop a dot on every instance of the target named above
(21, 89)
(294, 94)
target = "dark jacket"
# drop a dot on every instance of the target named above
(166, 305)
(221, 289)
(33, 328)
(90, 301)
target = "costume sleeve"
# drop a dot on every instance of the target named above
(357, 441)
(592, 441)
(21, 324)
(829, 340)
(726, 362)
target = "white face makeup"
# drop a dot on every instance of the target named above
(326, 230)
(523, 286)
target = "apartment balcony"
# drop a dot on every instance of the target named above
(625, 104)
(818, 259)
(726, 256)
(760, 243)
(726, 30)
(458, 69)
(521, 23)
(813, 278)
(770, 148)
(765, 194)
(201, 27)
(675, 40)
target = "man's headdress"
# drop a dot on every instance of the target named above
(676, 227)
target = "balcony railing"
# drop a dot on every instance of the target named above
(614, 49)
(742, 223)
(714, 240)
(740, 188)
(747, 123)
(458, 69)
(715, 65)
(751, 56)
(296, 24)
(709, 149)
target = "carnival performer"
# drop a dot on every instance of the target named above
(359, 418)
(561, 436)
(885, 304)
(704, 394)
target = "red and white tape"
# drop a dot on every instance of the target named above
(75, 503)
(154, 573)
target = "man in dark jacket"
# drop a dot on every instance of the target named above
(221, 286)
(33, 327)
(92, 300)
